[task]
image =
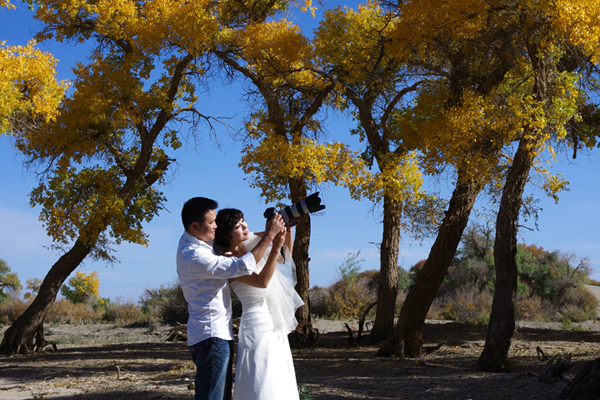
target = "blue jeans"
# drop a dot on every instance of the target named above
(214, 368)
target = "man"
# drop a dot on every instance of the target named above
(203, 277)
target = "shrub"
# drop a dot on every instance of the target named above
(166, 303)
(533, 308)
(593, 282)
(583, 308)
(174, 308)
(437, 309)
(347, 299)
(63, 311)
(405, 279)
(571, 313)
(468, 305)
(319, 301)
(11, 309)
(124, 312)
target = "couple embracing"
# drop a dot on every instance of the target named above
(216, 252)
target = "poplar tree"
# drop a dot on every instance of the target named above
(560, 43)
(377, 87)
(107, 147)
(284, 156)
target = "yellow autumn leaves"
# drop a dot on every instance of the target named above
(152, 53)
(28, 84)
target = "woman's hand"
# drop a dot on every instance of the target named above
(262, 279)
(274, 225)
(279, 240)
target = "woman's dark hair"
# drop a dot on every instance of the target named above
(227, 219)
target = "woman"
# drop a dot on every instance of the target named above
(264, 366)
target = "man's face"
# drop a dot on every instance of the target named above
(206, 230)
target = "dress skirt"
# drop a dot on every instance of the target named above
(264, 368)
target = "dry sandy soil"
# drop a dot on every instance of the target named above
(85, 365)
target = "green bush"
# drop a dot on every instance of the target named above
(350, 296)
(166, 303)
(550, 284)
(10, 285)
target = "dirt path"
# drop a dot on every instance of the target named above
(85, 367)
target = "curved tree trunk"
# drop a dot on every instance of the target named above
(407, 339)
(502, 320)
(24, 328)
(388, 275)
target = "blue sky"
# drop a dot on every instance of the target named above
(211, 170)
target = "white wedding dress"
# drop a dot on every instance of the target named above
(264, 369)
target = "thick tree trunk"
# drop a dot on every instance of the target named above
(502, 320)
(24, 329)
(407, 339)
(388, 275)
(586, 384)
(304, 331)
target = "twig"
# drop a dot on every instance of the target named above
(118, 369)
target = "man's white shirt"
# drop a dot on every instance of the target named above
(203, 277)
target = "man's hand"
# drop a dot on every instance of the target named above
(274, 226)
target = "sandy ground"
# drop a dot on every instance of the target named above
(85, 365)
(101, 361)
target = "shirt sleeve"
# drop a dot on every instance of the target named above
(202, 263)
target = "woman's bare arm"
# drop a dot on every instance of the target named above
(289, 240)
(262, 279)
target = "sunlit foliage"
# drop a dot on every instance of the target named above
(7, 4)
(275, 160)
(9, 281)
(475, 43)
(108, 145)
(33, 285)
(82, 288)
(285, 124)
(377, 87)
(28, 85)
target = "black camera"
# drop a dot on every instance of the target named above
(309, 205)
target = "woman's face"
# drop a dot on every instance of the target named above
(239, 233)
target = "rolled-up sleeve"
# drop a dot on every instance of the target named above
(199, 261)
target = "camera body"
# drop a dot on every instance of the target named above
(310, 204)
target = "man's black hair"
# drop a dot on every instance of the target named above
(194, 210)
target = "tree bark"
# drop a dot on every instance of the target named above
(586, 384)
(407, 339)
(388, 275)
(304, 331)
(502, 320)
(24, 329)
